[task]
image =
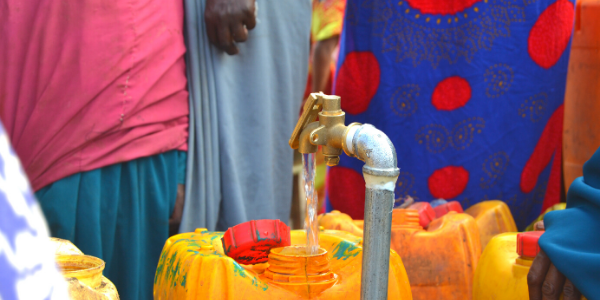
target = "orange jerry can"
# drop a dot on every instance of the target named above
(194, 266)
(336, 220)
(427, 213)
(581, 131)
(441, 260)
(505, 262)
(492, 217)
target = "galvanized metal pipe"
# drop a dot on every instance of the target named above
(376, 243)
(373, 147)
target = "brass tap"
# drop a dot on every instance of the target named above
(329, 132)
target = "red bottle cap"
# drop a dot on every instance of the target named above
(426, 213)
(449, 206)
(249, 243)
(527, 243)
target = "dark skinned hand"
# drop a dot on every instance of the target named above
(228, 22)
(545, 281)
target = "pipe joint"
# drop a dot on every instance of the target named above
(372, 146)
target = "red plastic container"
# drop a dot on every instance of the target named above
(250, 242)
(449, 206)
(426, 213)
(527, 243)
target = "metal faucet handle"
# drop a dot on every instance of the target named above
(312, 107)
(329, 132)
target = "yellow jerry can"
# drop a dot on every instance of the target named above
(194, 266)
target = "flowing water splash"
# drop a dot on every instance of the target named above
(312, 198)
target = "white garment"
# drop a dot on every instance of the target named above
(27, 267)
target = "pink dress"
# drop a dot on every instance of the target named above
(89, 83)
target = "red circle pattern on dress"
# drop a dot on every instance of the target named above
(451, 93)
(346, 190)
(448, 182)
(445, 7)
(550, 35)
(357, 81)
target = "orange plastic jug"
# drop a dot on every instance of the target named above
(447, 207)
(441, 260)
(581, 132)
(336, 220)
(426, 213)
(493, 217)
(504, 264)
(194, 266)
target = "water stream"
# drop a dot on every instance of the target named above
(312, 199)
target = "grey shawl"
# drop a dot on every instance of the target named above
(242, 112)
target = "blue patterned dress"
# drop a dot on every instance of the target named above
(469, 91)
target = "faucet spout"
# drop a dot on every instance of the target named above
(328, 132)
(306, 139)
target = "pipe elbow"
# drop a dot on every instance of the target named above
(372, 146)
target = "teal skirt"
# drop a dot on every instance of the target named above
(119, 213)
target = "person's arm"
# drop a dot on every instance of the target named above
(322, 52)
(228, 22)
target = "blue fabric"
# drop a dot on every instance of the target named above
(29, 271)
(571, 238)
(512, 98)
(119, 213)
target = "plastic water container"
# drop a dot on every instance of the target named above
(194, 266)
(336, 220)
(440, 260)
(436, 209)
(437, 202)
(581, 132)
(83, 273)
(426, 213)
(504, 264)
(493, 217)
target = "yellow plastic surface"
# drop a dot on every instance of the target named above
(492, 217)
(194, 266)
(83, 273)
(501, 273)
